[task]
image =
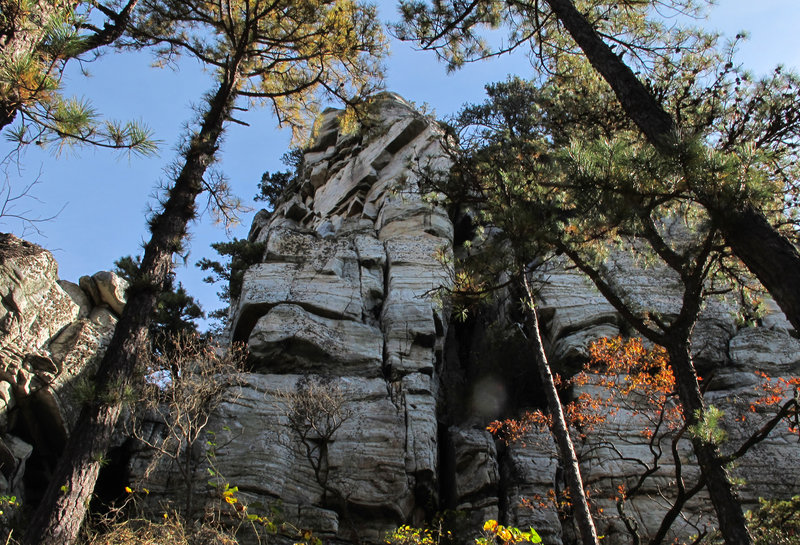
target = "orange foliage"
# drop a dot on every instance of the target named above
(774, 391)
(622, 372)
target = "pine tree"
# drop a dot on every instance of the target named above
(37, 40)
(558, 28)
(286, 54)
(176, 311)
(553, 178)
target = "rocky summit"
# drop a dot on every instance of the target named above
(365, 405)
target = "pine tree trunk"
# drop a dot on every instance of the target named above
(772, 257)
(769, 255)
(58, 517)
(732, 523)
(560, 430)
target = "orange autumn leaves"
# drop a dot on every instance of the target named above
(626, 374)
(620, 373)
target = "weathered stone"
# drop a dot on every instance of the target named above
(475, 459)
(766, 350)
(269, 284)
(352, 286)
(289, 339)
(89, 287)
(400, 218)
(111, 289)
(79, 297)
(34, 307)
(14, 453)
(42, 352)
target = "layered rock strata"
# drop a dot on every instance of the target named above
(347, 297)
(346, 302)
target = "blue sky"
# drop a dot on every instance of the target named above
(105, 195)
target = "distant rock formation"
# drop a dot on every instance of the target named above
(52, 334)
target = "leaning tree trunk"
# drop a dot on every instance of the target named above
(58, 518)
(769, 255)
(732, 523)
(560, 430)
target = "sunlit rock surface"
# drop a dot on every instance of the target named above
(52, 334)
(350, 298)
(349, 288)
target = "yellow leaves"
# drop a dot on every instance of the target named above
(494, 533)
(409, 535)
(229, 497)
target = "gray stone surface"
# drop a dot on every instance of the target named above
(350, 295)
(347, 290)
(51, 335)
(350, 288)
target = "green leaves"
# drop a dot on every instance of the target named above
(708, 427)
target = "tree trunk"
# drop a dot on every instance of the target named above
(732, 523)
(677, 342)
(560, 430)
(772, 257)
(769, 255)
(58, 517)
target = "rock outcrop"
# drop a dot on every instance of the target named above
(348, 297)
(52, 334)
(365, 406)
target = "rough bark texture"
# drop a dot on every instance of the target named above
(772, 257)
(59, 515)
(732, 523)
(766, 252)
(566, 449)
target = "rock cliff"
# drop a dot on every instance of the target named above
(347, 297)
(348, 290)
(364, 406)
(52, 334)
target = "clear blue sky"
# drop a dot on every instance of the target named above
(105, 195)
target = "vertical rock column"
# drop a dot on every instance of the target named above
(347, 295)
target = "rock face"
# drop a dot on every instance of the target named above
(347, 291)
(346, 298)
(365, 406)
(52, 333)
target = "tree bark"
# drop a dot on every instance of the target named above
(58, 517)
(768, 254)
(732, 523)
(560, 430)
